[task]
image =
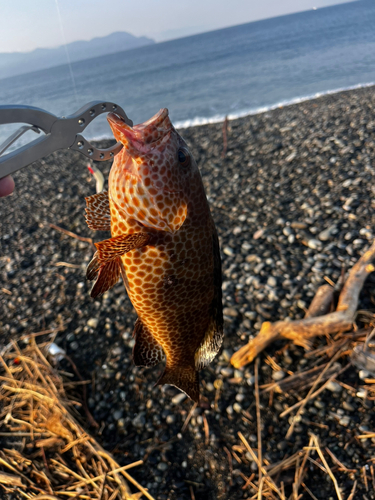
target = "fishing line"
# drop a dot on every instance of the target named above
(67, 52)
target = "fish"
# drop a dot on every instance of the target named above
(165, 246)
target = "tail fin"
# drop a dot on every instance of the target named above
(185, 378)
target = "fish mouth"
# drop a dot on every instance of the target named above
(135, 172)
(144, 137)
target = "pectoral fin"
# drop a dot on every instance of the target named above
(108, 275)
(146, 351)
(98, 213)
(106, 263)
(119, 245)
(93, 268)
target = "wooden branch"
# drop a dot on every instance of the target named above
(300, 331)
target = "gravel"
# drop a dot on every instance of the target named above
(293, 201)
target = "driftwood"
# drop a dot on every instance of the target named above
(301, 331)
(322, 302)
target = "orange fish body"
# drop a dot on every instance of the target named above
(164, 244)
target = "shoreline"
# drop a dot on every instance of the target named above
(293, 204)
(200, 121)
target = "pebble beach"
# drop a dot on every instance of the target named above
(293, 203)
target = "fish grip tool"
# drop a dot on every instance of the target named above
(59, 133)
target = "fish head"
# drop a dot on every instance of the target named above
(150, 177)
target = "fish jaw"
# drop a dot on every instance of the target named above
(144, 137)
(145, 183)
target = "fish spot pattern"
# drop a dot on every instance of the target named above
(181, 290)
(171, 281)
(97, 212)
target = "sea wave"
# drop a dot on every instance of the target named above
(101, 137)
(200, 120)
(218, 118)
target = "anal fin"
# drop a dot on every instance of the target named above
(98, 213)
(185, 378)
(146, 351)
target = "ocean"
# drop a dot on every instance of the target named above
(235, 71)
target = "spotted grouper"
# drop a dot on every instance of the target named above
(165, 246)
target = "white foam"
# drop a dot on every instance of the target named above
(200, 120)
(203, 120)
(102, 137)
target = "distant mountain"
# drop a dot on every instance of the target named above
(16, 63)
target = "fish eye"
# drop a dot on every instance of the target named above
(183, 157)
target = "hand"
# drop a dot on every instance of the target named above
(6, 186)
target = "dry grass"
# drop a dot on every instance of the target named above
(270, 484)
(273, 480)
(50, 456)
(343, 340)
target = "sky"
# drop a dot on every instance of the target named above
(26, 25)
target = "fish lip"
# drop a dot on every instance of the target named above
(157, 119)
(118, 125)
(134, 139)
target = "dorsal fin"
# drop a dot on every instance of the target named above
(146, 351)
(98, 213)
(213, 339)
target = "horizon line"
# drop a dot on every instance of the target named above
(312, 9)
